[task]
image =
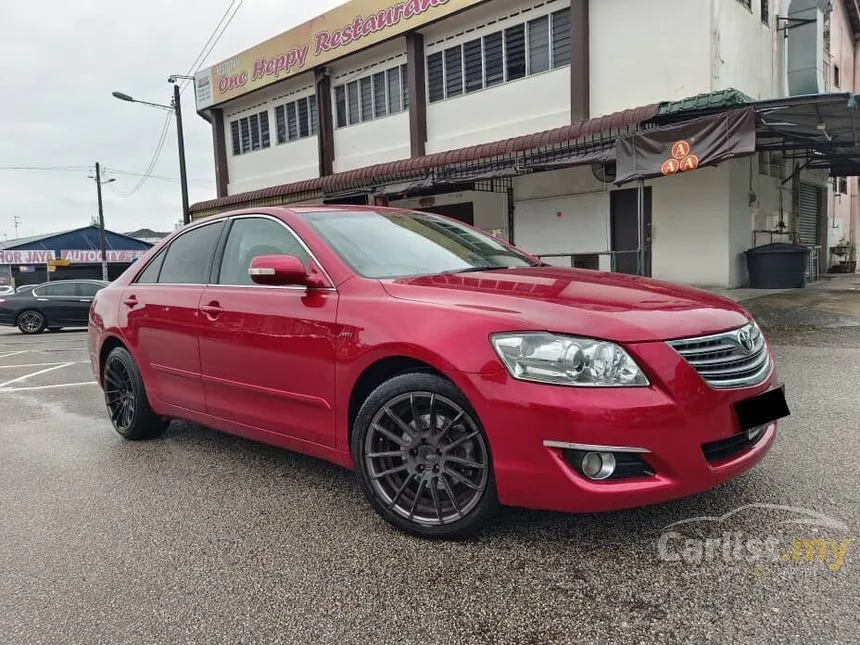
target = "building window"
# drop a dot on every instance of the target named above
(763, 163)
(539, 45)
(561, 38)
(296, 119)
(840, 185)
(473, 65)
(250, 133)
(454, 71)
(371, 97)
(516, 52)
(746, 3)
(837, 77)
(765, 12)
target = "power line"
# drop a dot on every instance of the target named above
(137, 174)
(184, 83)
(46, 168)
(146, 173)
(200, 56)
(212, 46)
(78, 169)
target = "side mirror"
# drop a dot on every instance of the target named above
(282, 270)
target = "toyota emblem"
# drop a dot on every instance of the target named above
(745, 341)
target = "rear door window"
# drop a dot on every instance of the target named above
(88, 289)
(189, 256)
(59, 289)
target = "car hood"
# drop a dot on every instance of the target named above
(612, 306)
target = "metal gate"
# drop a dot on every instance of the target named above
(810, 204)
(809, 215)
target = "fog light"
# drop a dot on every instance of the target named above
(598, 465)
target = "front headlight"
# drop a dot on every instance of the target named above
(567, 360)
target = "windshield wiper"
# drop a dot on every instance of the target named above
(474, 270)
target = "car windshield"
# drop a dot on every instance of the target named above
(391, 244)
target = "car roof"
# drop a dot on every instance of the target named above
(71, 280)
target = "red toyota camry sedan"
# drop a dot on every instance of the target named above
(452, 371)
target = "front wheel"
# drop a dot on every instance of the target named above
(126, 400)
(422, 458)
(31, 322)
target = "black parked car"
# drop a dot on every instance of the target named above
(50, 305)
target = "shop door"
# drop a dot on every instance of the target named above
(625, 237)
(809, 215)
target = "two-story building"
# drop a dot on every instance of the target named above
(510, 115)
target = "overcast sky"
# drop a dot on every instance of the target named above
(60, 62)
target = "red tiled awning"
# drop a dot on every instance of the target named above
(396, 170)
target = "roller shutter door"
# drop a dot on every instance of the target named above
(809, 215)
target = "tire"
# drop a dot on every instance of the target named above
(31, 322)
(125, 398)
(422, 485)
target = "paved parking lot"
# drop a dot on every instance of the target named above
(199, 537)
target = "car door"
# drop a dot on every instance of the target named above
(162, 317)
(58, 302)
(268, 353)
(86, 291)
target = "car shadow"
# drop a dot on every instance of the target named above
(338, 493)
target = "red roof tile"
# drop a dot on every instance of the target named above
(386, 171)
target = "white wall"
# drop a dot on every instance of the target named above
(645, 52)
(568, 181)
(744, 49)
(743, 179)
(528, 105)
(279, 163)
(690, 227)
(379, 140)
(665, 50)
(569, 224)
(372, 142)
(519, 107)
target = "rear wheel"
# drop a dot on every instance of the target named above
(126, 400)
(31, 322)
(422, 458)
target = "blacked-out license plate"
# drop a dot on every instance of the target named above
(762, 409)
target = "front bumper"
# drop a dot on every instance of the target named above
(672, 425)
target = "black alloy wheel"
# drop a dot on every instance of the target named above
(422, 458)
(125, 398)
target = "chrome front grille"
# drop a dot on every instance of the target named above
(737, 358)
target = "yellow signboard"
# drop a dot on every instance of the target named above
(343, 30)
(59, 262)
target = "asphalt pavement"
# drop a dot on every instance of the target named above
(200, 537)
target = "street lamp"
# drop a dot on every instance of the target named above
(176, 108)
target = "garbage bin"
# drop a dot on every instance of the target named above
(777, 266)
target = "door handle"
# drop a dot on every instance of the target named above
(212, 310)
(131, 301)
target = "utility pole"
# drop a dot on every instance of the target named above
(177, 108)
(102, 244)
(16, 220)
